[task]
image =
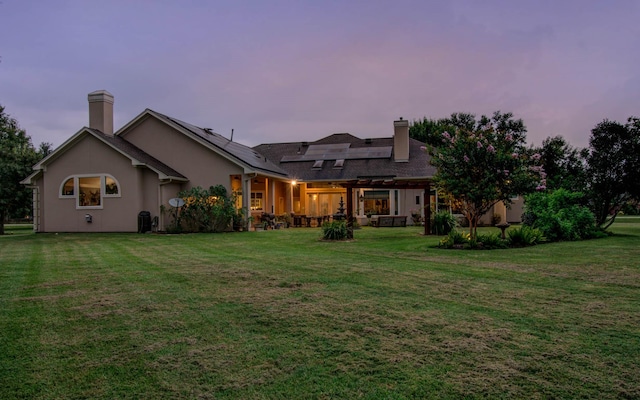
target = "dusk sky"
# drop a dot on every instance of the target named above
(284, 71)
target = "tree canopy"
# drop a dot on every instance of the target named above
(613, 168)
(564, 165)
(483, 162)
(17, 156)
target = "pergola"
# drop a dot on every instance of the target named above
(423, 184)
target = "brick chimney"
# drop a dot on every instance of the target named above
(101, 111)
(401, 140)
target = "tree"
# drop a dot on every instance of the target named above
(429, 130)
(17, 155)
(560, 215)
(613, 168)
(480, 163)
(426, 130)
(563, 164)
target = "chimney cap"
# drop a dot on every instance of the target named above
(401, 122)
(100, 95)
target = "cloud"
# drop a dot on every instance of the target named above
(288, 71)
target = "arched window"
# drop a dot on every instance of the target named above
(89, 190)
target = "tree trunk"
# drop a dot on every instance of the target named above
(2, 222)
(473, 225)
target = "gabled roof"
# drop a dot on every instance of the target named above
(346, 157)
(137, 156)
(250, 159)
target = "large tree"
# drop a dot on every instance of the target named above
(483, 162)
(17, 155)
(613, 168)
(428, 130)
(563, 164)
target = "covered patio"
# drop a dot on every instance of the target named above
(423, 184)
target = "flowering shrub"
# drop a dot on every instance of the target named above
(480, 163)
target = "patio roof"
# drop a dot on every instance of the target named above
(424, 184)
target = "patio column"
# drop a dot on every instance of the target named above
(246, 198)
(291, 185)
(427, 210)
(349, 212)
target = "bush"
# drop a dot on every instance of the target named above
(560, 215)
(454, 239)
(335, 230)
(492, 241)
(205, 210)
(525, 236)
(443, 223)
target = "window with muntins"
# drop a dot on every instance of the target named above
(90, 190)
(256, 201)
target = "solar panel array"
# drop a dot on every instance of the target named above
(339, 151)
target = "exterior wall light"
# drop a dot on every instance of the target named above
(88, 218)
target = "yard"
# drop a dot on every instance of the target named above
(281, 314)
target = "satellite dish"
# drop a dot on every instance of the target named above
(176, 202)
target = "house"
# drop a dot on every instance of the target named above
(373, 176)
(104, 181)
(100, 181)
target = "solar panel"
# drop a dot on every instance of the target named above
(339, 151)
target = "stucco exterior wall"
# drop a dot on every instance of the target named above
(166, 191)
(514, 213)
(201, 165)
(408, 203)
(90, 156)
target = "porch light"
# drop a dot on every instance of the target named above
(294, 182)
(361, 198)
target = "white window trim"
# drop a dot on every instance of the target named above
(262, 198)
(76, 189)
(68, 196)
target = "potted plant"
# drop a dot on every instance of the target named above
(416, 217)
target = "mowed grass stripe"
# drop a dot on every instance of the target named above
(281, 314)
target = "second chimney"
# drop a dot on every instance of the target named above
(401, 140)
(101, 111)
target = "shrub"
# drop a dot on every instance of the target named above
(206, 210)
(334, 230)
(525, 236)
(454, 239)
(443, 223)
(493, 241)
(560, 215)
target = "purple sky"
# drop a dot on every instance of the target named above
(280, 71)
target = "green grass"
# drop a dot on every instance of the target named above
(18, 229)
(281, 314)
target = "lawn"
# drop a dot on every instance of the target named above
(281, 314)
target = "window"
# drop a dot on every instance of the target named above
(256, 201)
(67, 188)
(89, 190)
(110, 186)
(376, 202)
